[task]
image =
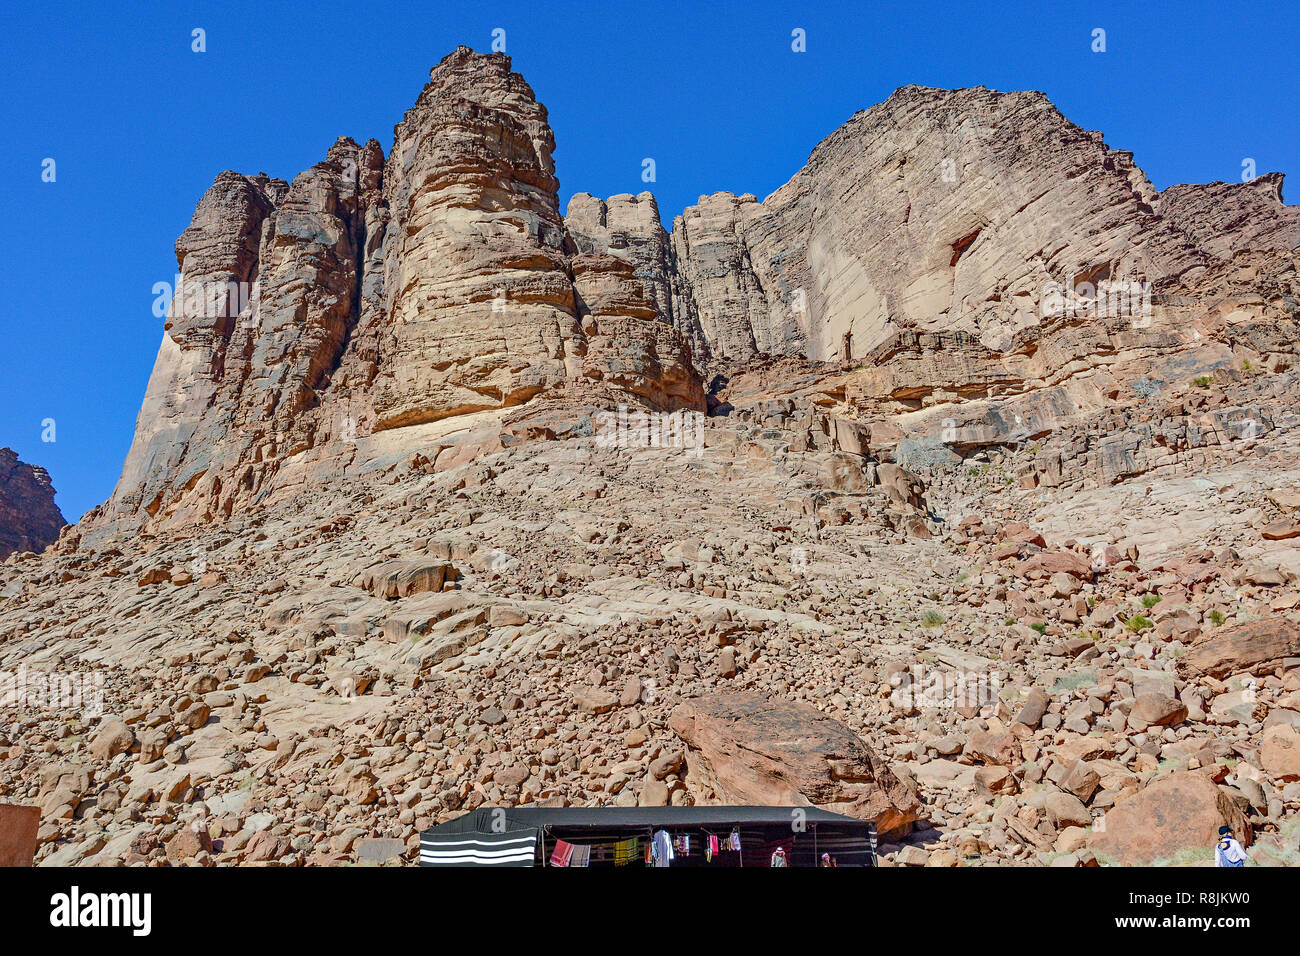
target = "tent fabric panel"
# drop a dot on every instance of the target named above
(486, 819)
(511, 848)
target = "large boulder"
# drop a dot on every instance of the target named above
(402, 577)
(992, 748)
(1247, 646)
(114, 737)
(1279, 751)
(748, 748)
(1157, 708)
(1049, 563)
(1182, 811)
(594, 700)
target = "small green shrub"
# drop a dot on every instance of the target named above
(931, 619)
(1137, 623)
(1074, 681)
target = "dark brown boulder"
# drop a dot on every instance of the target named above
(18, 828)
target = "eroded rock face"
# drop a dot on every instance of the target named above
(937, 210)
(271, 292)
(991, 273)
(331, 324)
(1225, 218)
(747, 748)
(719, 294)
(372, 295)
(482, 310)
(628, 228)
(29, 518)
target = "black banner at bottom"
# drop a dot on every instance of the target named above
(143, 907)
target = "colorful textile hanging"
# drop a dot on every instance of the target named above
(563, 851)
(624, 851)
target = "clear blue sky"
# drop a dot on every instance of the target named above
(139, 126)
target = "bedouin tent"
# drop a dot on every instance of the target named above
(525, 836)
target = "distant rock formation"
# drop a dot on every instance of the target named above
(29, 518)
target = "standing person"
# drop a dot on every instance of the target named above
(827, 860)
(778, 857)
(1228, 852)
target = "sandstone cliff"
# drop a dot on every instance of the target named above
(1225, 218)
(436, 296)
(935, 210)
(373, 295)
(29, 518)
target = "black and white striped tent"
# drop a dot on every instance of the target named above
(524, 836)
